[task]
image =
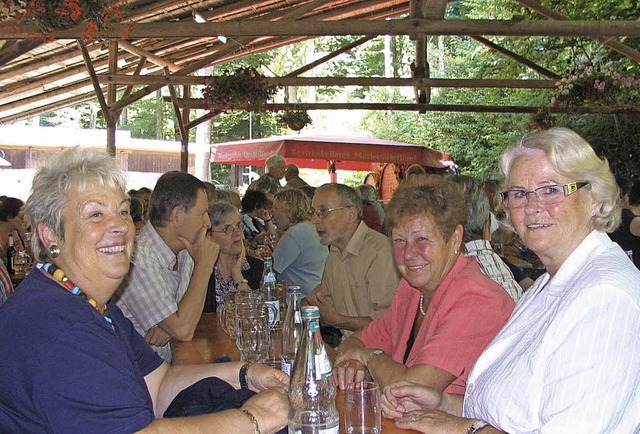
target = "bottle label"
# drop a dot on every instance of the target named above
(323, 365)
(270, 278)
(286, 364)
(274, 314)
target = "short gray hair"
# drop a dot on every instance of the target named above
(572, 156)
(72, 171)
(220, 211)
(477, 202)
(274, 160)
(347, 196)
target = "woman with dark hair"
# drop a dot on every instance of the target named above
(567, 360)
(255, 213)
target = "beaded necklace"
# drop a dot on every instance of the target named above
(420, 305)
(60, 277)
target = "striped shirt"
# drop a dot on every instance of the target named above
(155, 284)
(6, 287)
(494, 267)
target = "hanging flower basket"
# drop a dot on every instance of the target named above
(243, 89)
(594, 86)
(295, 119)
(51, 15)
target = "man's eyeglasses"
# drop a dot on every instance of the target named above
(547, 195)
(323, 213)
(228, 229)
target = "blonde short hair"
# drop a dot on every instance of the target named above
(297, 204)
(572, 156)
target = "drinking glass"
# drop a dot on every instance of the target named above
(253, 334)
(362, 413)
(275, 348)
(227, 314)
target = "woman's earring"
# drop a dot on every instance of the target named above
(54, 251)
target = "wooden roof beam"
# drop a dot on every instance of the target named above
(329, 56)
(161, 80)
(197, 104)
(260, 28)
(510, 54)
(26, 114)
(133, 49)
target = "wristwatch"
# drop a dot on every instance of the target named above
(242, 376)
(477, 426)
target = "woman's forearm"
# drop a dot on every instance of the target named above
(452, 404)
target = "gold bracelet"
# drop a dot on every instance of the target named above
(254, 422)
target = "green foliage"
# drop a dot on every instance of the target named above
(220, 172)
(237, 126)
(615, 137)
(142, 118)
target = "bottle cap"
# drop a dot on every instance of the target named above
(310, 312)
(294, 289)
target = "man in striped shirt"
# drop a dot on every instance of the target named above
(477, 234)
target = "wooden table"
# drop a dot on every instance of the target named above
(210, 342)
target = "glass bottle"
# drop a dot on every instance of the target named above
(11, 255)
(312, 392)
(270, 291)
(291, 329)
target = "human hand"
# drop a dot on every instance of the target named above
(204, 251)
(156, 336)
(261, 377)
(270, 408)
(404, 396)
(328, 313)
(238, 263)
(264, 214)
(350, 367)
(434, 422)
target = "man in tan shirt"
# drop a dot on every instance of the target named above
(360, 275)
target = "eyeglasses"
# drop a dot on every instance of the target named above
(323, 213)
(228, 229)
(547, 195)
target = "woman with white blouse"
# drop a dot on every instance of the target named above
(567, 360)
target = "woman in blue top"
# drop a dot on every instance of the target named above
(299, 257)
(72, 362)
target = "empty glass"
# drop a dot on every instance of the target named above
(253, 326)
(227, 314)
(362, 413)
